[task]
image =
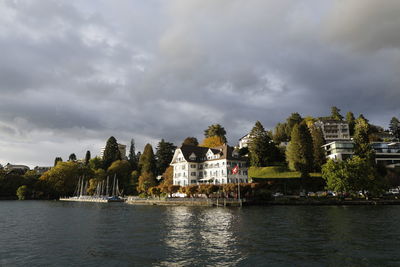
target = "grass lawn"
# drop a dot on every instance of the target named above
(275, 172)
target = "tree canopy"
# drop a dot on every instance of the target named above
(261, 148)
(111, 152)
(147, 161)
(335, 113)
(212, 141)
(191, 141)
(215, 130)
(164, 153)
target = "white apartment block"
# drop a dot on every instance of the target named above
(334, 130)
(196, 165)
(244, 141)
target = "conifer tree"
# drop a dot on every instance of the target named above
(111, 152)
(335, 114)
(133, 160)
(164, 153)
(362, 147)
(280, 133)
(350, 119)
(299, 153)
(72, 157)
(394, 127)
(147, 161)
(191, 141)
(87, 158)
(215, 130)
(293, 119)
(261, 147)
(56, 160)
(318, 151)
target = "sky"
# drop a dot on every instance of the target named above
(73, 73)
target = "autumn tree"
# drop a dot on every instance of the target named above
(212, 141)
(121, 169)
(191, 141)
(164, 153)
(168, 175)
(111, 152)
(146, 180)
(216, 130)
(299, 153)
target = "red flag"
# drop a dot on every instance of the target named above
(235, 170)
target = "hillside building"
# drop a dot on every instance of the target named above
(334, 130)
(196, 165)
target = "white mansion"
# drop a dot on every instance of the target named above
(194, 165)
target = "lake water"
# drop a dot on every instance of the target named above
(51, 233)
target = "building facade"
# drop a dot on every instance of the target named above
(196, 165)
(334, 130)
(244, 141)
(386, 153)
(16, 168)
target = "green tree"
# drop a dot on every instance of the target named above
(72, 157)
(57, 159)
(291, 121)
(191, 141)
(147, 161)
(111, 152)
(280, 133)
(362, 147)
(335, 114)
(261, 147)
(394, 127)
(350, 119)
(134, 182)
(121, 169)
(164, 153)
(87, 158)
(216, 130)
(22, 192)
(318, 151)
(299, 153)
(334, 174)
(96, 163)
(133, 160)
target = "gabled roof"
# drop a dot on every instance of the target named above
(224, 152)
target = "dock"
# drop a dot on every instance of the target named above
(91, 199)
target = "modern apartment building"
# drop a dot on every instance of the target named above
(385, 152)
(334, 130)
(195, 165)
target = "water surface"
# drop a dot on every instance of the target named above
(51, 233)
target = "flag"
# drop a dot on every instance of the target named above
(235, 170)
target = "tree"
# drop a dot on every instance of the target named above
(134, 182)
(121, 169)
(350, 119)
(362, 147)
(291, 121)
(394, 127)
(57, 159)
(146, 180)
(72, 157)
(280, 133)
(215, 130)
(133, 160)
(191, 141)
(212, 141)
(147, 161)
(155, 191)
(96, 163)
(318, 151)
(168, 176)
(111, 152)
(299, 153)
(87, 158)
(22, 192)
(335, 114)
(164, 153)
(261, 147)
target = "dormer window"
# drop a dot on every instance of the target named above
(192, 156)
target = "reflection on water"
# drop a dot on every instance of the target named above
(192, 232)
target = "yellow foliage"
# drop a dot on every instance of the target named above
(212, 141)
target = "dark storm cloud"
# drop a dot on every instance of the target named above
(74, 73)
